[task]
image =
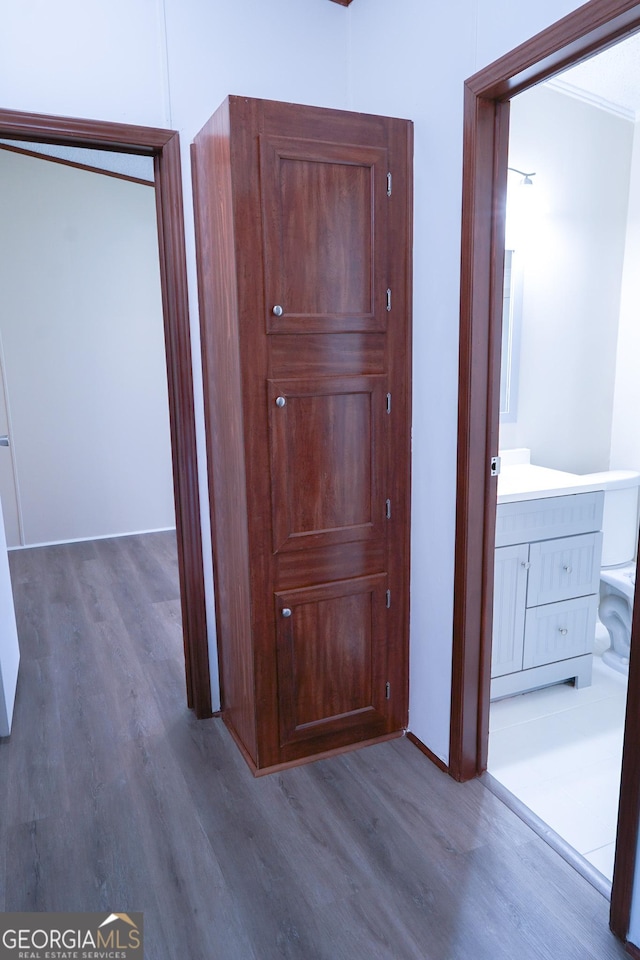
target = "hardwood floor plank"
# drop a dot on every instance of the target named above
(114, 797)
(32, 758)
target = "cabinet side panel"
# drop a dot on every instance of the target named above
(215, 243)
(400, 273)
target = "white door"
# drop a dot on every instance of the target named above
(9, 650)
(8, 493)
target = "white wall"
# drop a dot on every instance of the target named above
(105, 60)
(83, 345)
(571, 244)
(625, 435)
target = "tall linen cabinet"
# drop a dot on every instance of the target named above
(303, 227)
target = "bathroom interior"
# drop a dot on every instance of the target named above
(569, 434)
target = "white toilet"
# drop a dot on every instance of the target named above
(618, 571)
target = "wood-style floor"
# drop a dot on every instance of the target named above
(113, 797)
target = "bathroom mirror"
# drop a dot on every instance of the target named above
(511, 323)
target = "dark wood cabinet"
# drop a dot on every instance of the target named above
(303, 227)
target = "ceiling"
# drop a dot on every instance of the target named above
(611, 79)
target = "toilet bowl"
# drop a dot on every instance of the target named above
(618, 570)
(615, 611)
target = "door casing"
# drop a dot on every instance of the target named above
(588, 30)
(164, 147)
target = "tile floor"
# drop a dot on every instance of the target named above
(559, 750)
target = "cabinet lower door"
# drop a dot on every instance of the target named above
(332, 662)
(509, 596)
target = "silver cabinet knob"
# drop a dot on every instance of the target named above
(4, 441)
(286, 612)
(277, 311)
(525, 564)
(563, 631)
(567, 568)
(280, 401)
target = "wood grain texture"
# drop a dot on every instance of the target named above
(323, 286)
(352, 353)
(163, 146)
(594, 26)
(213, 203)
(328, 462)
(332, 659)
(295, 208)
(125, 137)
(136, 805)
(173, 276)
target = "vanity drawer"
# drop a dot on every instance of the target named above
(525, 521)
(558, 631)
(564, 568)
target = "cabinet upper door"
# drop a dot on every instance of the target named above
(323, 219)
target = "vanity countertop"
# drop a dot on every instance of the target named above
(526, 481)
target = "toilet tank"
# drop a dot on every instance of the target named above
(620, 519)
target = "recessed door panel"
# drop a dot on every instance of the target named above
(327, 460)
(323, 213)
(331, 658)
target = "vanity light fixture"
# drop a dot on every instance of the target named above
(527, 182)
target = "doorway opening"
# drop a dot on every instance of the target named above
(568, 371)
(163, 147)
(594, 27)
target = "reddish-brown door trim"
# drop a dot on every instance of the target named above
(163, 146)
(591, 28)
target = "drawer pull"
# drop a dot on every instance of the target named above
(567, 568)
(563, 631)
(525, 564)
(286, 612)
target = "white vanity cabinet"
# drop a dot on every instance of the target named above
(547, 577)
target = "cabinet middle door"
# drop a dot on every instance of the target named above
(327, 460)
